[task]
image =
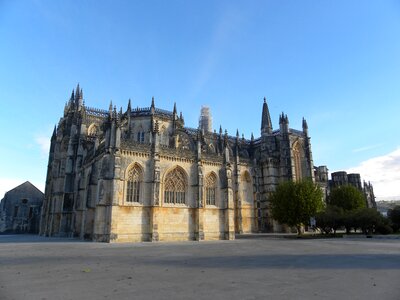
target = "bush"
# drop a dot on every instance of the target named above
(329, 220)
(394, 217)
(367, 219)
(383, 229)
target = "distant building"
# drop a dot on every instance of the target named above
(341, 178)
(321, 177)
(141, 175)
(20, 209)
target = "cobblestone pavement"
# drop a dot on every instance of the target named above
(34, 267)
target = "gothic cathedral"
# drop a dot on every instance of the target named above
(141, 175)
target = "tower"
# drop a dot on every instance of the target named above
(205, 120)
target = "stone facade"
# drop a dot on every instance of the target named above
(20, 209)
(141, 175)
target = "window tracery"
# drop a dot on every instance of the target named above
(211, 188)
(175, 187)
(297, 161)
(133, 184)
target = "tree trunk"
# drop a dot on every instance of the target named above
(299, 230)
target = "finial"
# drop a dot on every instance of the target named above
(252, 137)
(265, 100)
(110, 107)
(305, 125)
(129, 105)
(174, 108)
(220, 130)
(152, 102)
(237, 133)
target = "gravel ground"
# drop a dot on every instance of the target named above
(33, 267)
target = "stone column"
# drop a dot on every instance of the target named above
(229, 210)
(155, 195)
(238, 206)
(155, 186)
(199, 215)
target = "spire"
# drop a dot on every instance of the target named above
(174, 112)
(237, 133)
(305, 127)
(77, 92)
(129, 105)
(110, 107)
(284, 123)
(220, 130)
(226, 138)
(54, 132)
(266, 124)
(152, 102)
(72, 96)
(252, 137)
(282, 118)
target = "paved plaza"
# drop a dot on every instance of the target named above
(33, 267)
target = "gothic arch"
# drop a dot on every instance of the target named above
(175, 186)
(133, 183)
(210, 186)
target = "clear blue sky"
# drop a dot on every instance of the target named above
(337, 63)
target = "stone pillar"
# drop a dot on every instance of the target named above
(199, 215)
(229, 210)
(155, 195)
(238, 206)
(155, 186)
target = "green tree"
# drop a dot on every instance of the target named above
(347, 197)
(367, 219)
(294, 203)
(329, 219)
(394, 216)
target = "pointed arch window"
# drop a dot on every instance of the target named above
(211, 189)
(297, 161)
(175, 187)
(140, 137)
(133, 185)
